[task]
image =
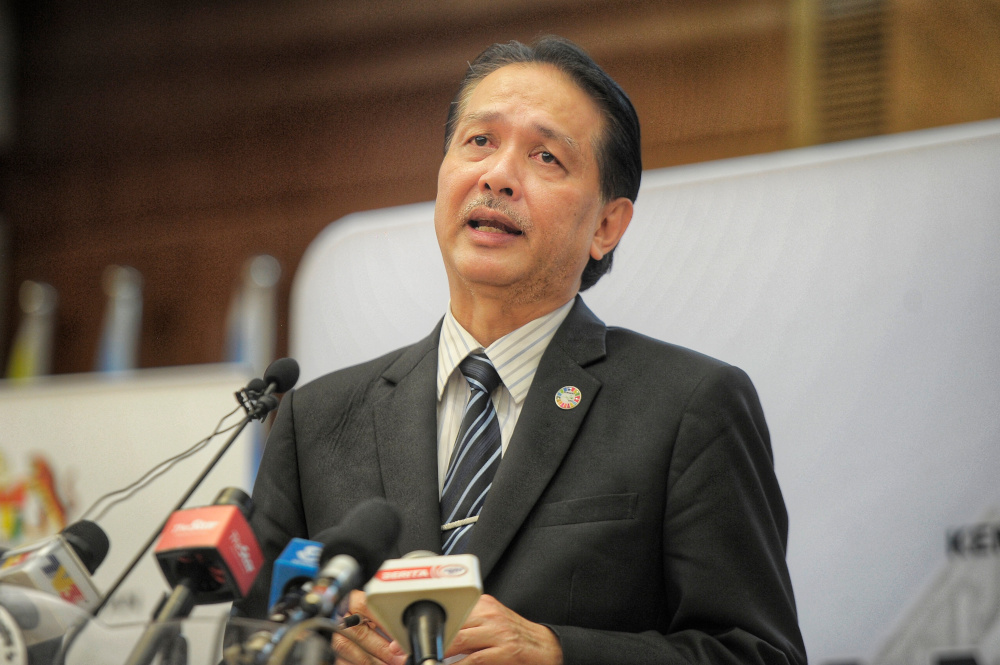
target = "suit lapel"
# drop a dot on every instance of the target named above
(543, 434)
(406, 435)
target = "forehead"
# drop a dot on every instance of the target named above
(536, 94)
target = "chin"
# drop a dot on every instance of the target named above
(487, 280)
(481, 276)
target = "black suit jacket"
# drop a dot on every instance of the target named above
(643, 526)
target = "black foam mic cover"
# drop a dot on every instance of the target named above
(283, 372)
(256, 387)
(368, 533)
(89, 541)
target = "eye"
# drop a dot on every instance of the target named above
(480, 140)
(546, 157)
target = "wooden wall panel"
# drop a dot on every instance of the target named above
(182, 137)
(944, 62)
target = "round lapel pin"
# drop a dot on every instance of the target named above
(568, 397)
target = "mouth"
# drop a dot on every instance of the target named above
(492, 223)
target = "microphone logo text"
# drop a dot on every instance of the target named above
(195, 525)
(422, 573)
(62, 583)
(242, 551)
(309, 555)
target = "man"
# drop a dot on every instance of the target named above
(635, 516)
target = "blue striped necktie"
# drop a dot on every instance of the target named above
(475, 459)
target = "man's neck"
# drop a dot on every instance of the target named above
(489, 320)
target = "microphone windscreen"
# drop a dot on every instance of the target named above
(283, 372)
(256, 386)
(368, 533)
(234, 496)
(89, 542)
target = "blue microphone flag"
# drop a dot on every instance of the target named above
(298, 563)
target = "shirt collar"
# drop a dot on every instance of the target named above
(515, 355)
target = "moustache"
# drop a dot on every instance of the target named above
(493, 202)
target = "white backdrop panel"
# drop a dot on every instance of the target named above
(856, 283)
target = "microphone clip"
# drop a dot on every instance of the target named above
(263, 406)
(258, 397)
(246, 398)
(256, 401)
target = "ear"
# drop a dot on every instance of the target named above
(616, 216)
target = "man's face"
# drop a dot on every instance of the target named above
(518, 201)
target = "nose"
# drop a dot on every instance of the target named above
(501, 176)
(503, 190)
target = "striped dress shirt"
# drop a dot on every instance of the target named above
(515, 355)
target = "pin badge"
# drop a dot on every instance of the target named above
(568, 397)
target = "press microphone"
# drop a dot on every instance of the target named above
(255, 388)
(352, 554)
(21, 606)
(279, 377)
(422, 601)
(295, 567)
(61, 565)
(211, 550)
(47, 589)
(40, 622)
(259, 396)
(208, 555)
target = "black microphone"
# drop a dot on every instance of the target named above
(279, 377)
(353, 550)
(282, 375)
(362, 542)
(256, 388)
(89, 542)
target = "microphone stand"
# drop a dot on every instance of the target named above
(159, 633)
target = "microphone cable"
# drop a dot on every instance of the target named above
(280, 376)
(157, 470)
(144, 481)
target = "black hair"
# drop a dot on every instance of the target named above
(619, 155)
